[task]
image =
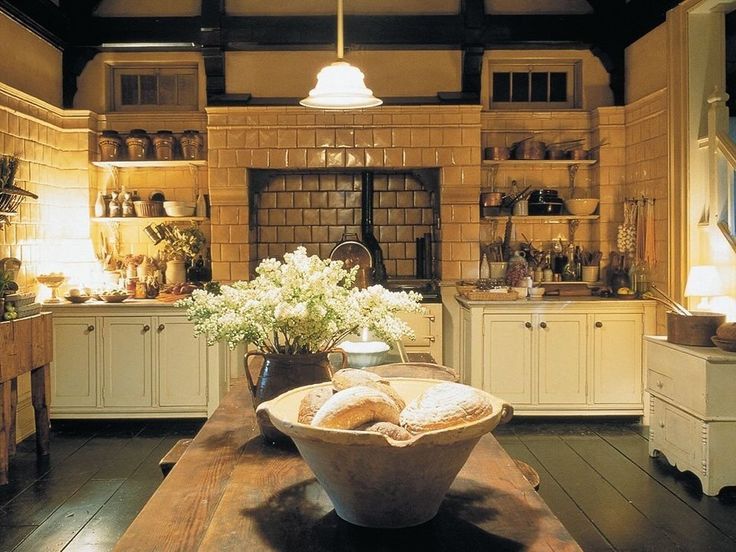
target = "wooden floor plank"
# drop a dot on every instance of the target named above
(10, 537)
(660, 506)
(622, 524)
(66, 521)
(572, 517)
(720, 511)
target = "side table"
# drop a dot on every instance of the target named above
(693, 412)
(26, 345)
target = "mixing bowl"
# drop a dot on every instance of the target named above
(372, 480)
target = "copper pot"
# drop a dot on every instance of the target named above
(496, 153)
(491, 199)
(577, 154)
(529, 149)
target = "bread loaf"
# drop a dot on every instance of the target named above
(445, 405)
(353, 407)
(395, 432)
(350, 377)
(312, 402)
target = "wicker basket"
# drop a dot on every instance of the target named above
(148, 208)
(485, 295)
(28, 310)
(463, 286)
(20, 299)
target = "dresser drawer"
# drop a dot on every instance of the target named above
(678, 376)
(661, 384)
(678, 435)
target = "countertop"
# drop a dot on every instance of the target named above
(92, 303)
(555, 300)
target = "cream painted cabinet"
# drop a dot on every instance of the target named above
(693, 412)
(138, 360)
(75, 347)
(427, 328)
(561, 357)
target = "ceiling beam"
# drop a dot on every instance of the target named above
(42, 17)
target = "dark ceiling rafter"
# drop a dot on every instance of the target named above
(612, 26)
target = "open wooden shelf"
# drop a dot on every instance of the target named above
(147, 220)
(547, 219)
(149, 163)
(539, 162)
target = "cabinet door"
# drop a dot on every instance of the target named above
(617, 369)
(74, 368)
(561, 358)
(507, 357)
(127, 364)
(182, 363)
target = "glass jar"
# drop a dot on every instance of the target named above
(639, 277)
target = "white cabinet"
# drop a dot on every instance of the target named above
(693, 412)
(557, 357)
(137, 360)
(427, 328)
(75, 347)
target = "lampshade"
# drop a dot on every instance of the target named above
(703, 281)
(340, 85)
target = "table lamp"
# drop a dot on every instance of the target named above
(703, 281)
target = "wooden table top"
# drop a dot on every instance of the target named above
(232, 491)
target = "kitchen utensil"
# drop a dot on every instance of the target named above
(674, 305)
(724, 344)
(696, 329)
(580, 206)
(496, 153)
(352, 252)
(529, 149)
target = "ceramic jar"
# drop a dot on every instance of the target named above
(137, 143)
(110, 144)
(163, 145)
(191, 144)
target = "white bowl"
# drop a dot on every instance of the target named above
(179, 208)
(521, 292)
(581, 206)
(536, 292)
(372, 480)
(364, 353)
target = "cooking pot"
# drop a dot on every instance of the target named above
(540, 196)
(555, 152)
(529, 149)
(491, 203)
(551, 207)
(496, 153)
(577, 153)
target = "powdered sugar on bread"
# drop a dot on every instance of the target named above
(444, 405)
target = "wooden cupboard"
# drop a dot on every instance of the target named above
(137, 360)
(557, 357)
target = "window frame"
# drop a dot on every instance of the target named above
(117, 71)
(572, 67)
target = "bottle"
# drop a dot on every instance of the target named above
(127, 207)
(115, 209)
(201, 206)
(484, 271)
(639, 276)
(100, 209)
(569, 273)
(206, 271)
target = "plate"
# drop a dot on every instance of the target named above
(724, 344)
(77, 298)
(114, 298)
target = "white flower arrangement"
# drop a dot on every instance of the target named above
(303, 305)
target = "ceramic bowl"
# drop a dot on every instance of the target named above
(179, 208)
(114, 298)
(581, 207)
(364, 353)
(724, 344)
(536, 292)
(78, 298)
(372, 480)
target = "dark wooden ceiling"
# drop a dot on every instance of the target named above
(73, 27)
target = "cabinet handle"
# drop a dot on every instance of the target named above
(90, 328)
(146, 328)
(542, 325)
(599, 324)
(161, 327)
(430, 338)
(660, 384)
(430, 317)
(661, 424)
(528, 325)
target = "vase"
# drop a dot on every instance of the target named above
(281, 373)
(175, 272)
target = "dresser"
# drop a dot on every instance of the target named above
(692, 410)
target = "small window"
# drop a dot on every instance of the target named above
(154, 88)
(516, 86)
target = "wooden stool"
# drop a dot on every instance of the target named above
(530, 474)
(172, 457)
(26, 346)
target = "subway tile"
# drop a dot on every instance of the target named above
(325, 138)
(354, 157)
(393, 157)
(328, 217)
(335, 158)
(363, 138)
(336, 199)
(344, 138)
(373, 157)
(335, 234)
(286, 138)
(305, 138)
(285, 200)
(382, 137)
(316, 158)
(310, 216)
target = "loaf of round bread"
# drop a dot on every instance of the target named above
(312, 402)
(350, 377)
(355, 406)
(444, 405)
(395, 432)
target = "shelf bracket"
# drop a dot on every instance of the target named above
(572, 172)
(572, 227)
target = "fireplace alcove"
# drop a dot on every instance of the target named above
(316, 209)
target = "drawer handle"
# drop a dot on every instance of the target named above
(599, 324)
(146, 328)
(161, 327)
(430, 338)
(543, 325)
(660, 384)
(430, 317)
(528, 325)
(661, 424)
(90, 328)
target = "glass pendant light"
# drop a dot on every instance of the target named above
(340, 85)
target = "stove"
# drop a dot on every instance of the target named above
(429, 289)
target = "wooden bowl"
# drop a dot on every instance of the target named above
(724, 344)
(114, 298)
(78, 298)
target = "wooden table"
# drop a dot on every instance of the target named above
(231, 491)
(26, 345)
